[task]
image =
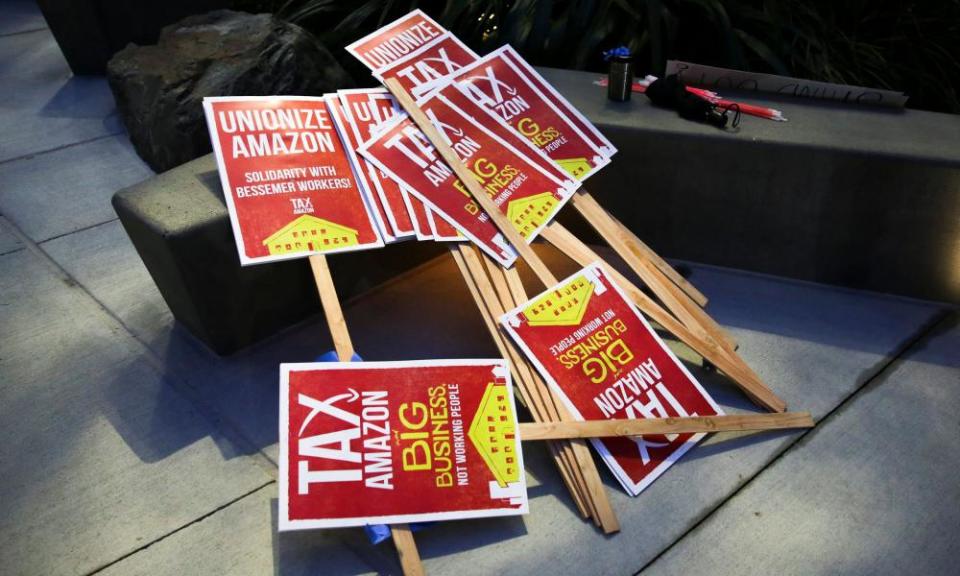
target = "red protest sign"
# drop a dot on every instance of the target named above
(421, 71)
(360, 166)
(419, 216)
(395, 40)
(604, 361)
(287, 180)
(393, 442)
(525, 192)
(496, 83)
(597, 138)
(366, 109)
(442, 230)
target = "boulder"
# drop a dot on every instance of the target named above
(160, 89)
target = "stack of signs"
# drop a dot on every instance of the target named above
(526, 185)
(289, 185)
(604, 361)
(395, 442)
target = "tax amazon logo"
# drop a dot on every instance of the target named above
(484, 86)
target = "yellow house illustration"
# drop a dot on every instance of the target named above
(527, 214)
(493, 434)
(564, 306)
(576, 167)
(310, 234)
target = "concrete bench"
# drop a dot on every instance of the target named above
(854, 196)
(179, 225)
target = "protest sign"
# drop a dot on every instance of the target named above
(360, 166)
(421, 71)
(570, 111)
(604, 361)
(528, 194)
(396, 40)
(497, 84)
(442, 230)
(288, 183)
(366, 109)
(418, 214)
(391, 442)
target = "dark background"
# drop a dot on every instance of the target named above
(906, 46)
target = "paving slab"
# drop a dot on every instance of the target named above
(65, 190)
(101, 456)
(42, 105)
(8, 241)
(242, 539)
(20, 16)
(872, 490)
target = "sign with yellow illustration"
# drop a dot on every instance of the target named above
(289, 185)
(604, 361)
(391, 442)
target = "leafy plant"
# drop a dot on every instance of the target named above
(911, 46)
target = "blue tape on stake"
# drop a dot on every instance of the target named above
(377, 533)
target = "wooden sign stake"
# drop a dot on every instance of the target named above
(402, 537)
(686, 425)
(739, 372)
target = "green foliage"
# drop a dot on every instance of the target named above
(910, 46)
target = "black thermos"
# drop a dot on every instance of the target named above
(620, 78)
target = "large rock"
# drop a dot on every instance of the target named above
(160, 89)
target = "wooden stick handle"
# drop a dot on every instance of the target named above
(689, 425)
(469, 180)
(402, 538)
(407, 550)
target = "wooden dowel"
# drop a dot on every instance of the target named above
(331, 307)
(639, 247)
(678, 303)
(746, 380)
(469, 180)
(407, 550)
(402, 538)
(641, 426)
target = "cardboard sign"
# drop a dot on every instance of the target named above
(529, 195)
(497, 84)
(594, 135)
(419, 215)
(442, 230)
(392, 442)
(360, 166)
(396, 40)
(287, 180)
(421, 71)
(604, 361)
(724, 78)
(365, 110)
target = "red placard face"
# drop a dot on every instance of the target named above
(392, 442)
(528, 195)
(442, 230)
(604, 361)
(497, 84)
(365, 110)
(597, 138)
(287, 180)
(422, 70)
(419, 215)
(396, 40)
